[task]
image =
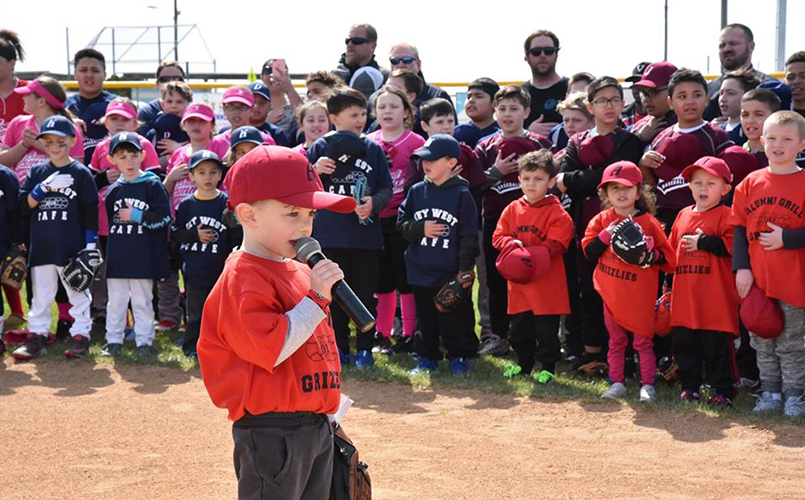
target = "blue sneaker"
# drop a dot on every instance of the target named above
(364, 359)
(424, 365)
(346, 358)
(459, 367)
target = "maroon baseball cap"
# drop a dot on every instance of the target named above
(761, 315)
(595, 150)
(740, 161)
(523, 265)
(711, 165)
(622, 172)
(282, 174)
(656, 75)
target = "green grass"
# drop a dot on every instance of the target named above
(486, 376)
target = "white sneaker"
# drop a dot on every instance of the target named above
(794, 407)
(615, 391)
(648, 394)
(767, 403)
(494, 345)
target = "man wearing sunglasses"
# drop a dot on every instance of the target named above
(547, 87)
(361, 43)
(167, 71)
(406, 56)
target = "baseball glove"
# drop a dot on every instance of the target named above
(80, 270)
(455, 292)
(631, 245)
(14, 268)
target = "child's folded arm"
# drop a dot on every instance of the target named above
(468, 250)
(713, 244)
(302, 321)
(412, 230)
(380, 200)
(794, 238)
(740, 249)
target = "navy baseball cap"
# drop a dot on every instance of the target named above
(124, 138)
(202, 156)
(439, 146)
(246, 133)
(57, 125)
(259, 88)
(782, 90)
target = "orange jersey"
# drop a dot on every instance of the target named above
(534, 225)
(629, 292)
(766, 197)
(243, 329)
(704, 295)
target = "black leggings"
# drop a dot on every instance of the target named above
(536, 336)
(498, 293)
(393, 275)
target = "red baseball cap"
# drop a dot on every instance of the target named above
(761, 315)
(523, 265)
(711, 165)
(201, 111)
(236, 94)
(656, 75)
(120, 108)
(282, 174)
(622, 172)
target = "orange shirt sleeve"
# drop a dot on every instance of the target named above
(501, 237)
(263, 327)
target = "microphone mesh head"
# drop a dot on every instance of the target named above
(306, 247)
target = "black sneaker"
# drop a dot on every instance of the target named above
(382, 346)
(32, 348)
(112, 350)
(403, 345)
(146, 351)
(79, 347)
(63, 329)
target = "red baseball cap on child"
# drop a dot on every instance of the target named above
(656, 75)
(240, 95)
(124, 109)
(201, 111)
(711, 165)
(523, 265)
(761, 315)
(282, 174)
(622, 172)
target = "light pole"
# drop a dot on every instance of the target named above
(175, 30)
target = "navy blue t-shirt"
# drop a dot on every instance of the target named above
(470, 134)
(59, 221)
(9, 207)
(166, 126)
(335, 230)
(146, 116)
(203, 262)
(138, 249)
(91, 111)
(431, 262)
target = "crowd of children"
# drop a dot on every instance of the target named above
(720, 205)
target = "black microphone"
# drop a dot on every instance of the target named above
(308, 251)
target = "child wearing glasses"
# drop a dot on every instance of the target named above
(588, 153)
(652, 89)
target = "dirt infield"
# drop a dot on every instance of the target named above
(80, 431)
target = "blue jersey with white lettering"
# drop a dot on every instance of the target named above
(431, 262)
(137, 248)
(336, 230)
(203, 262)
(60, 220)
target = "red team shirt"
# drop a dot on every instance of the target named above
(780, 199)
(629, 292)
(243, 330)
(100, 163)
(33, 156)
(704, 295)
(544, 221)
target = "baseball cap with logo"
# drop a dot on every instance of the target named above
(124, 138)
(254, 178)
(656, 75)
(637, 72)
(261, 89)
(201, 111)
(57, 125)
(438, 146)
(204, 155)
(246, 133)
(120, 108)
(622, 172)
(523, 265)
(711, 165)
(239, 95)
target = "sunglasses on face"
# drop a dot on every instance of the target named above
(166, 79)
(402, 60)
(538, 51)
(356, 40)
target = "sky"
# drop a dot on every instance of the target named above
(457, 41)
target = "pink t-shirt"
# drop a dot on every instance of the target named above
(399, 154)
(100, 163)
(185, 187)
(33, 156)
